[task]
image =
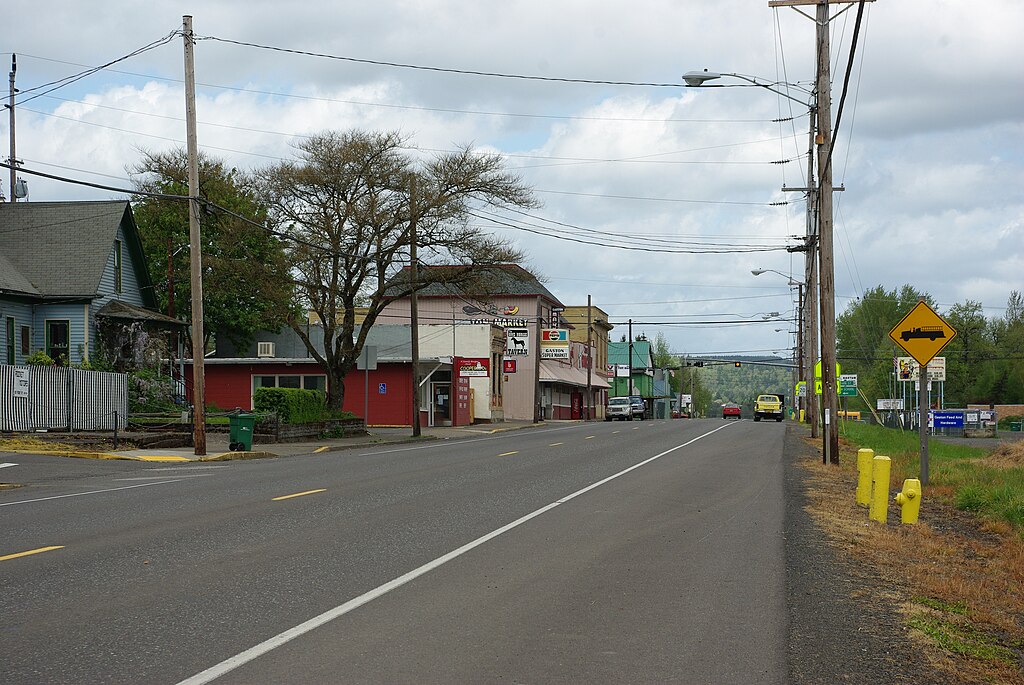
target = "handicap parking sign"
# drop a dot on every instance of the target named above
(382, 388)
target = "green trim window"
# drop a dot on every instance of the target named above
(9, 339)
(58, 340)
(117, 266)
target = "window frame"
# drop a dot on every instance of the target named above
(48, 348)
(9, 328)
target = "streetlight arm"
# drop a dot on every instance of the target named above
(697, 79)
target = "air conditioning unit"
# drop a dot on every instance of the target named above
(265, 349)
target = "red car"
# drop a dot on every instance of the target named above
(730, 411)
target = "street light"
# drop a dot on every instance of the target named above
(819, 239)
(803, 317)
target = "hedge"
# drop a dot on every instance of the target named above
(291, 404)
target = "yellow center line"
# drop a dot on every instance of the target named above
(299, 494)
(556, 444)
(508, 454)
(318, 450)
(31, 551)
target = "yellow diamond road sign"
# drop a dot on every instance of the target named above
(922, 333)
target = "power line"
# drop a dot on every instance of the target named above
(68, 80)
(466, 72)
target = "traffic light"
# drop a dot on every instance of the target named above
(738, 365)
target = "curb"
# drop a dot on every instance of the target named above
(74, 454)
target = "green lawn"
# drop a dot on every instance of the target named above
(993, 492)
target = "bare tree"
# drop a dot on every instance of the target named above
(346, 205)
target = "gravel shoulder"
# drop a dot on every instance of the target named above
(844, 620)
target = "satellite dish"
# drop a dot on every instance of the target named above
(20, 188)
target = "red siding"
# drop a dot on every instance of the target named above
(229, 386)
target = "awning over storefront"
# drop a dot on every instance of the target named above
(553, 372)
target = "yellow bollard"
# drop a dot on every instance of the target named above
(910, 500)
(880, 470)
(864, 457)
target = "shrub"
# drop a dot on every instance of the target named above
(150, 393)
(39, 358)
(291, 404)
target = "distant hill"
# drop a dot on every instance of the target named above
(741, 385)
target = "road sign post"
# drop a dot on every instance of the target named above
(923, 334)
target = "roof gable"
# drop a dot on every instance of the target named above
(499, 280)
(61, 248)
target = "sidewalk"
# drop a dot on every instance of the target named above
(217, 444)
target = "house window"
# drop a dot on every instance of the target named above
(305, 382)
(117, 266)
(9, 339)
(58, 341)
(26, 339)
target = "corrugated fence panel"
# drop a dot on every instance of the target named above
(60, 398)
(48, 396)
(15, 412)
(100, 400)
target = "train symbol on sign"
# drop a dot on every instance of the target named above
(930, 332)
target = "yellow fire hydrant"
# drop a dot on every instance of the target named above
(881, 467)
(864, 457)
(910, 500)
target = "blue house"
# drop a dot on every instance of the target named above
(67, 270)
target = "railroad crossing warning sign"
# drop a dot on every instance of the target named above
(922, 333)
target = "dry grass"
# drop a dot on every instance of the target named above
(1006, 456)
(958, 581)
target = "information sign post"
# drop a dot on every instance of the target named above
(923, 334)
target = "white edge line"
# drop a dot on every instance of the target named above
(3, 466)
(280, 639)
(90, 492)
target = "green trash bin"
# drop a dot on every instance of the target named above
(1015, 426)
(241, 429)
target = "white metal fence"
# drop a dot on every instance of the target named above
(61, 398)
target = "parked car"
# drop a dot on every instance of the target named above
(731, 411)
(639, 407)
(620, 408)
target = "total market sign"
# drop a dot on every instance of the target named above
(922, 333)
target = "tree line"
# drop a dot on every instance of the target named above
(984, 362)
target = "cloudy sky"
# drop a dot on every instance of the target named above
(658, 200)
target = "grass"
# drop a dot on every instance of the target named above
(990, 484)
(957, 577)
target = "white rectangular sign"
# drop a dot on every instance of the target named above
(21, 382)
(517, 342)
(907, 369)
(890, 404)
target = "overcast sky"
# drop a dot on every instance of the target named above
(930, 147)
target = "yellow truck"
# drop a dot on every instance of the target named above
(768, 407)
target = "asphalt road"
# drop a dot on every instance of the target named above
(623, 552)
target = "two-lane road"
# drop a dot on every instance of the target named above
(602, 552)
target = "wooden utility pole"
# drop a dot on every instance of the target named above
(195, 246)
(590, 362)
(10, 100)
(537, 400)
(414, 317)
(829, 382)
(823, 140)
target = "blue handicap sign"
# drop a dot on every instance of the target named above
(382, 389)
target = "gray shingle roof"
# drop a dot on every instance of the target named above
(494, 281)
(57, 248)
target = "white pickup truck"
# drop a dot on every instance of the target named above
(618, 408)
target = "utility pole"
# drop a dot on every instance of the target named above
(536, 367)
(414, 317)
(10, 100)
(829, 384)
(629, 382)
(590, 362)
(195, 245)
(823, 140)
